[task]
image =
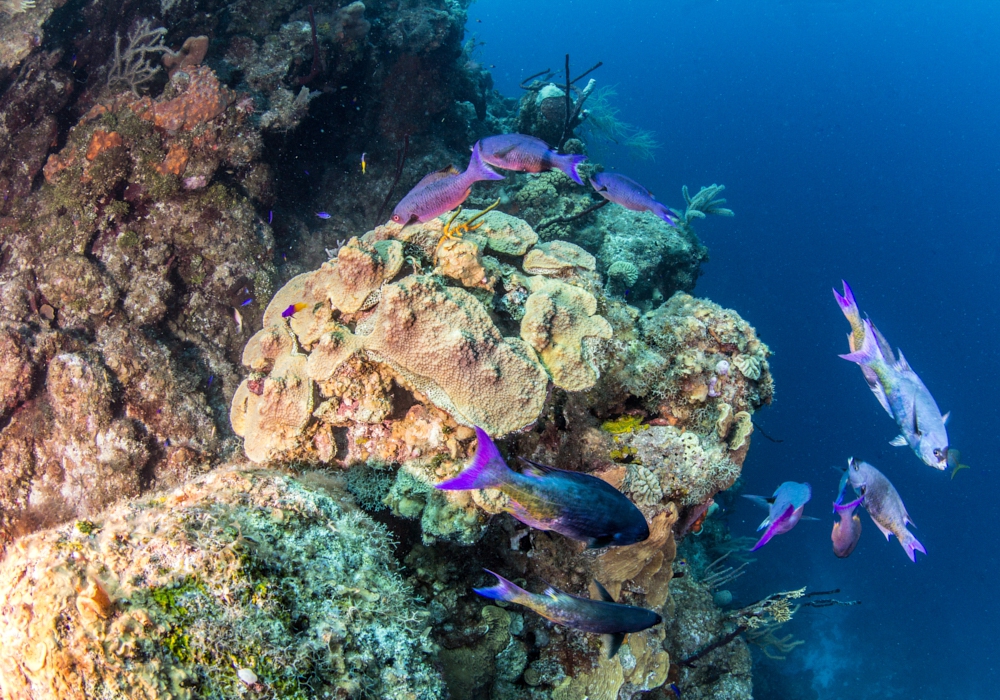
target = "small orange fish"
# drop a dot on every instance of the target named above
(294, 309)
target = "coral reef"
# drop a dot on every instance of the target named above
(236, 579)
(722, 673)
(142, 238)
(123, 277)
(666, 259)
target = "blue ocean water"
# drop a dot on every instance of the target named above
(856, 140)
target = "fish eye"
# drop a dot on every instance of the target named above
(397, 218)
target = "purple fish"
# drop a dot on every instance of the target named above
(629, 194)
(883, 504)
(322, 215)
(605, 616)
(785, 508)
(441, 191)
(577, 505)
(847, 532)
(246, 302)
(527, 154)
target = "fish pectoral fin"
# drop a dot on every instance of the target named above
(760, 500)
(612, 643)
(598, 542)
(602, 592)
(901, 364)
(503, 152)
(898, 441)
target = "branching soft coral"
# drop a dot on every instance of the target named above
(705, 202)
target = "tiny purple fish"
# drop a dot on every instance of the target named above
(441, 191)
(785, 509)
(322, 215)
(527, 154)
(246, 302)
(629, 194)
(270, 216)
(210, 380)
(294, 309)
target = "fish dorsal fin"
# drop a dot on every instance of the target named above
(901, 364)
(612, 643)
(945, 417)
(427, 179)
(603, 592)
(536, 469)
(898, 441)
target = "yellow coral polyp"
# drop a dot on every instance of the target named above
(623, 425)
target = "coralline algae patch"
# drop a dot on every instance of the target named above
(239, 582)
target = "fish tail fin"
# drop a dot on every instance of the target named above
(478, 170)
(487, 468)
(911, 545)
(848, 304)
(568, 164)
(503, 590)
(662, 211)
(869, 351)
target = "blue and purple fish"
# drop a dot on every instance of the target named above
(785, 510)
(847, 531)
(579, 506)
(882, 501)
(605, 616)
(629, 194)
(527, 154)
(442, 191)
(900, 391)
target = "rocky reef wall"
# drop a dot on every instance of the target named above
(192, 274)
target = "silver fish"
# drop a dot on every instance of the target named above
(907, 400)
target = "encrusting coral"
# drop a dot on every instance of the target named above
(239, 581)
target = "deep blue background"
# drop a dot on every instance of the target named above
(856, 140)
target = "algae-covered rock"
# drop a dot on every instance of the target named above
(181, 596)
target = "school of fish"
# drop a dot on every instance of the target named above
(587, 509)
